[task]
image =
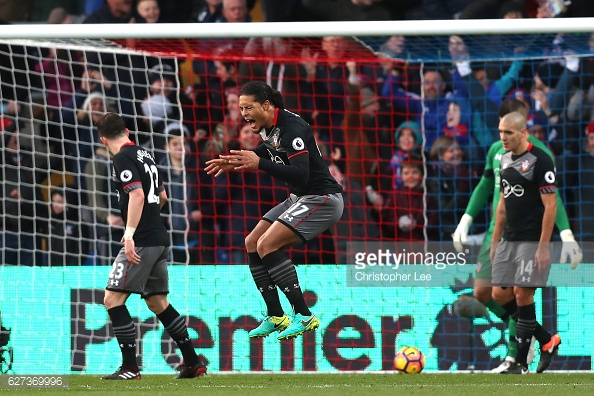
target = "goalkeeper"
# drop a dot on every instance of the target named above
(490, 182)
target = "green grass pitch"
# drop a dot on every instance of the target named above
(553, 384)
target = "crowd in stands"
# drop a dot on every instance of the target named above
(407, 141)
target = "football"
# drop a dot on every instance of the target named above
(409, 360)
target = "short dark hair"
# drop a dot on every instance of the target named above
(414, 162)
(511, 105)
(111, 126)
(174, 133)
(262, 92)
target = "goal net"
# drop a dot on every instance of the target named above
(403, 118)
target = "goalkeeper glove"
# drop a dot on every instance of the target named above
(460, 236)
(570, 249)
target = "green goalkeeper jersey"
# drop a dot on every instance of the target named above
(491, 181)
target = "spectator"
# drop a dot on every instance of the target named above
(82, 139)
(64, 231)
(512, 9)
(537, 128)
(575, 8)
(16, 11)
(476, 84)
(546, 79)
(216, 77)
(183, 203)
(225, 135)
(56, 71)
(212, 12)
(149, 11)
(286, 77)
(234, 11)
(429, 110)
(162, 106)
(157, 110)
(103, 210)
(409, 142)
(454, 128)
(22, 205)
(252, 195)
(572, 100)
(577, 181)
(449, 181)
(113, 11)
(93, 80)
(59, 15)
(359, 221)
(402, 215)
(329, 84)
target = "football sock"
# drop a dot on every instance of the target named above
(282, 271)
(511, 308)
(525, 329)
(125, 333)
(512, 346)
(541, 334)
(497, 310)
(265, 284)
(178, 331)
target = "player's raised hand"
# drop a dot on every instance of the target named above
(243, 159)
(217, 166)
(571, 251)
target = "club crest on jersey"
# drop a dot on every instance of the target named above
(275, 133)
(525, 165)
(298, 144)
(126, 175)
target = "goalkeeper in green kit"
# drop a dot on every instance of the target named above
(482, 283)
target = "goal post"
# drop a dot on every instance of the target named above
(362, 86)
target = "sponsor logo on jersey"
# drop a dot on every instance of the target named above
(508, 189)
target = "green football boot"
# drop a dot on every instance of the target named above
(299, 325)
(269, 325)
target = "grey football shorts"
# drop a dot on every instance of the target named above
(514, 265)
(147, 278)
(308, 215)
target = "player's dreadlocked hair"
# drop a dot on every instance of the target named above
(263, 92)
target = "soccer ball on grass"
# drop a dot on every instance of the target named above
(409, 360)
